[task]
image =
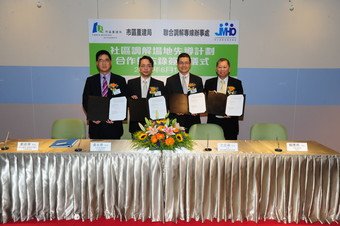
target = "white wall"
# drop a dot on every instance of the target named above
(270, 34)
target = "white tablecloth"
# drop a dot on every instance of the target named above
(170, 186)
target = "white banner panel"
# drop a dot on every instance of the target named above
(127, 40)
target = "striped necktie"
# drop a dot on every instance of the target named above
(105, 87)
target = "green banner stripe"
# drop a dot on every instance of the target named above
(203, 56)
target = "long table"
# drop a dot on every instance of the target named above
(255, 183)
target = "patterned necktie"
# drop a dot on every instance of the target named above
(105, 87)
(184, 85)
(223, 87)
(145, 89)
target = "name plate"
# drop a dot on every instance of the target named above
(297, 147)
(28, 146)
(100, 146)
(227, 146)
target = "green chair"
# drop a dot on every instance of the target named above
(68, 128)
(206, 131)
(126, 134)
(268, 131)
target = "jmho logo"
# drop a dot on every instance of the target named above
(226, 30)
(97, 28)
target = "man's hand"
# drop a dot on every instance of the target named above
(109, 121)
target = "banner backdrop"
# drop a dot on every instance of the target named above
(127, 40)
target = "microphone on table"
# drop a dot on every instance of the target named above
(207, 148)
(5, 147)
(78, 149)
(278, 149)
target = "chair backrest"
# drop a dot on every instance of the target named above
(67, 128)
(268, 131)
(126, 134)
(206, 131)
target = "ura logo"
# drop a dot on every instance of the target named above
(97, 28)
(226, 30)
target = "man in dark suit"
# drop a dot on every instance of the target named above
(108, 85)
(223, 83)
(144, 87)
(186, 83)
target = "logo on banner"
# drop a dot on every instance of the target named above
(97, 28)
(101, 32)
(226, 30)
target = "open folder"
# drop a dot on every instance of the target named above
(222, 104)
(154, 108)
(103, 108)
(185, 104)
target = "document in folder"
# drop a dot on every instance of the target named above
(103, 108)
(235, 105)
(197, 103)
(225, 105)
(157, 107)
(154, 108)
(117, 109)
(138, 109)
(178, 103)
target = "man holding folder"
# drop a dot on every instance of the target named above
(184, 83)
(108, 85)
(143, 87)
(224, 84)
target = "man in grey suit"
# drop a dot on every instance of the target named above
(186, 83)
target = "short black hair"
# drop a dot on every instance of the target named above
(221, 60)
(183, 55)
(102, 52)
(146, 58)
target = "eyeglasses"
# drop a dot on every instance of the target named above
(104, 61)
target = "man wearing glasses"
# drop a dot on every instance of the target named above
(108, 85)
(184, 83)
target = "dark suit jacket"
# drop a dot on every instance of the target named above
(134, 88)
(230, 125)
(174, 86)
(93, 88)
